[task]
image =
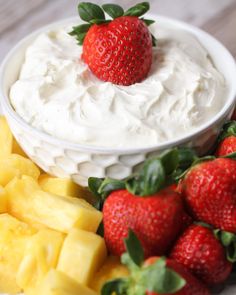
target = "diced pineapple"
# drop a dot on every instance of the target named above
(6, 138)
(82, 254)
(16, 149)
(64, 187)
(14, 236)
(111, 269)
(15, 166)
(57, 283)
(32, 205)
(58, 186)
(3, 200)
(41, 255)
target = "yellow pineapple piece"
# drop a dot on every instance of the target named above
(16, 149)
(82, 254)
(16, 166)
(58, 186)
(57, 283)
(14, 236)
(111, 269)
(41, 255)
(64, 187)
(6, 138)
(3, 200)
(27, 202)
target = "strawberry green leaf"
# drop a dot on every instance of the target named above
(230, 156)
(138, 10)
(160, 279)
(99, 21)
(203, 159)
(151, 179)
(170, 160)
(187, 157)
(94, 184)
(101, 188)
(109, 185)
(148, 22)
(80, 29)
(154, 41)
(113, 10)
(80, 38)
(203, 224)
(228, 240)
(229, 129)
(134, 248)
(117, 286)
(90, 11)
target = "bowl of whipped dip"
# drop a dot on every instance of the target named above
(72, 124)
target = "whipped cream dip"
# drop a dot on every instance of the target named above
(56, 93)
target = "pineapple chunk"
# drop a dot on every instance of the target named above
(82, 254)
(57, 283)
(16, 149)
(58, 186)
(6, 138)
(3, 200)
(112, 269)
(34, 206)
(14, 236)
(41, 255)
(15, 166)
(64, 187)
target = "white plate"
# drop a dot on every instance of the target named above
(231, 285)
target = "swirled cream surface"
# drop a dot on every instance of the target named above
(57, 93)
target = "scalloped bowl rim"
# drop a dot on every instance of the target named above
(230, 102)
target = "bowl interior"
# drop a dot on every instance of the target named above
(218, 53)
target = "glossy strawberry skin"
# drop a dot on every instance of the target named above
(187, 220)
(202, 254)
(193, 285)
(120, 51)
(226, 146)
(209, 190)
(156, 220)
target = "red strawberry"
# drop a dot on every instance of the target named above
(123, 55)
(156, 275)
(226, 146)
(156, 220)
(202, 254)
(227, 139)
(209, 189)
(187, 220)
(119, 50)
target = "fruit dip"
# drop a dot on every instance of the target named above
(56, 92)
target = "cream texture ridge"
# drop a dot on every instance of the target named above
(56, 93)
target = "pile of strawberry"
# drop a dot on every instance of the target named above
(174, 222)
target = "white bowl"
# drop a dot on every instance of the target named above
(63, 159)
